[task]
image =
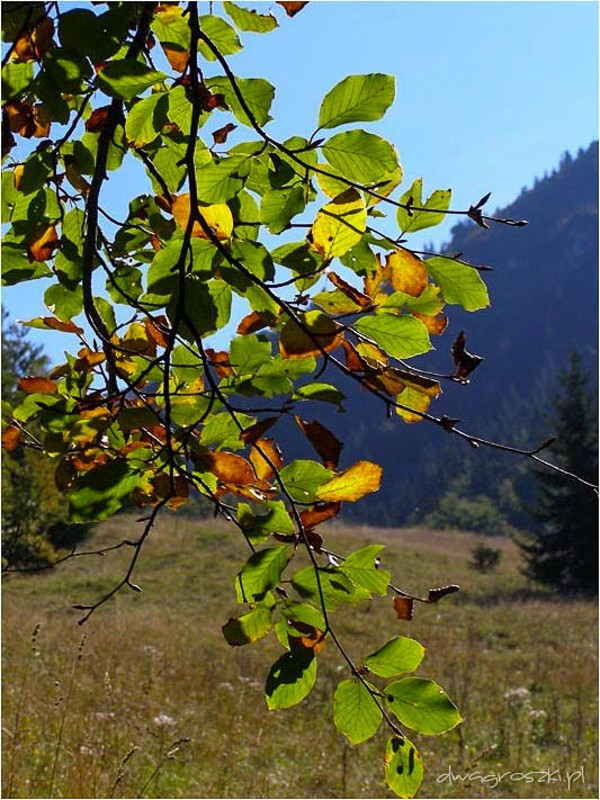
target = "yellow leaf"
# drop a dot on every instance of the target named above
(434, 324)
(415, 400)
(407, 273)
(218, 217)
(339, 225)
(352, 484)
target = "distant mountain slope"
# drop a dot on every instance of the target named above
(544, 293)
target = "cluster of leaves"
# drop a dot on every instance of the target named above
(145, 410)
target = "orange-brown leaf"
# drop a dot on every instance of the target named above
(176, 56)
(319, 513)
(362, 300)
(407, 273)
(220, 362)
(404, 607)
(256, 321)
(327, 445)
(262, 450)
(352, 484)
(217, 217)
(353, 360)
(97, 119)
(32, 45)
(58, 325)
(41, 249)
(220, 135)
(37, 385)
(435, 325)
(292, 7)
(228, 467)
(88, 359)
(154, 329)
(317, 333)
(436, 594)
(11, 437)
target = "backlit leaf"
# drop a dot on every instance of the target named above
(316, 333)
(352, 484)
(404, 607)
(420, 704)
(250, 20)
(322, 439)
(249, 627)
(292, 7)
(260, 573)
(222, 35)
(102, 491)
(460, 284)
(414, 401)
(291, 678)
(418, 220)
(127, 78)
(407, 273)
(360, 156)
(339, 225)
(358, 98)
(362, 567)
(218, 217)
(403, 767)
(37, 385)
(400, 337)
(399, 655)
(355, 711)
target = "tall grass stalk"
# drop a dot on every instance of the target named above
(64, 703)
(19, 709)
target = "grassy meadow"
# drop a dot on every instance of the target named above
(147, 699)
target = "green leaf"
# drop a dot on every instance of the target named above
(460, 284)
(355, 712)
(400, 337)
(399, 655)
(146, 119)
(249, 20)
(16, 267)
(247, 353)
(336, 587)
(258, 526)
(222, 35)
(124, 284)
(403, 767)
(324, 392)
(65, 70)
(302, 478)
(417, 220)
(260, 573)
(257, 93)
(358, 98)
(127, 78)
(428, 302)
(291, 678)
(304, 613)
(221, 431)
(360, 156)
(82, 32)
(420, 704)
(15, 78)
(219, 182)
(102, 491)
(279, 206)
(249, 627)
(62, 302)
(255, 257)
(180, 109)
(361, 568)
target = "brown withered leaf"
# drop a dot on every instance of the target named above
(11, 437)
(464, 361)
(58, 325)
(315, 540)
(208, 100)
(312, 637)
(97, 119)
(404, 607)
(220, 362)
(362, 300)
(258, 458)
(32, 44)
(220, 135)
(37, 385)
(353, 360)
(436, 594)
(252, 434)
(327, 445)
(319, 513)
(292, 8)
(42, 247)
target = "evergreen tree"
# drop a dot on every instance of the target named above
(563, 550)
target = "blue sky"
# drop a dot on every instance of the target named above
(489, 94)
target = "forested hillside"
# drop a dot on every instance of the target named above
(543, 289)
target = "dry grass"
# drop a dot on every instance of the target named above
(155, 704)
